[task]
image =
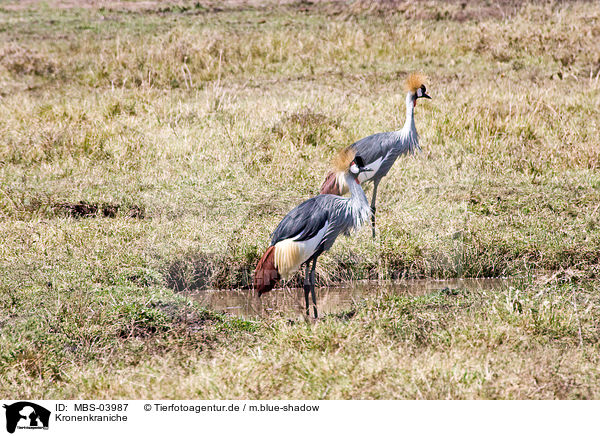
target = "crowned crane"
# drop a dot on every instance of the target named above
(380, 151)
(311, 228)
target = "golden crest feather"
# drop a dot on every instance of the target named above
(343, 159)
(414, 82)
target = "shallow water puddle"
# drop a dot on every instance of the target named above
(288, 301)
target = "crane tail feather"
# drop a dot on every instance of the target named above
(266, 275)
(330, 185)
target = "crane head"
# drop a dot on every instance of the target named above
(415, 86)
(347, 161)
(358, 166)
(422, 92)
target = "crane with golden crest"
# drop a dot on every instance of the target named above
(312, 227)
(380, 151)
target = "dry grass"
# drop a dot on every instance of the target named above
(519, 343)
(211, 122)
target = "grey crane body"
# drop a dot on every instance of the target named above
(310, 229)
(318, 222)
(333, 213)
(381, 150)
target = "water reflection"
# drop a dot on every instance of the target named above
(286, 302)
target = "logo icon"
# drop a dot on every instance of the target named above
(26, 415)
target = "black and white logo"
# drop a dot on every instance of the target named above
(26, 415)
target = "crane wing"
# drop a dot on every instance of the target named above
(380, 151)
(303, 222)
(376, 146)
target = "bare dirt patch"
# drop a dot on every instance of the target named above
(84, 209)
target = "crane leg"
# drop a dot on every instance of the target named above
(375, 184)
(312, 286)
(307, 287)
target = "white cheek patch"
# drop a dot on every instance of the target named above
(419, 92)
(354, 169)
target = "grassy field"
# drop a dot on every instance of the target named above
(147, 148)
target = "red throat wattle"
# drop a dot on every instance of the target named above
(415, 103)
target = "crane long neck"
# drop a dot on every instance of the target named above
(409, 124)
(357, 194)
(357, 204)
(408, 136)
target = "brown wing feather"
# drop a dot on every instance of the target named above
(330, 185)
(266, 275)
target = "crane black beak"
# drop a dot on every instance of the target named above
(426, 96)
(363, 169)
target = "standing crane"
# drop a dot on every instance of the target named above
(312, 227)
(381, 150)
